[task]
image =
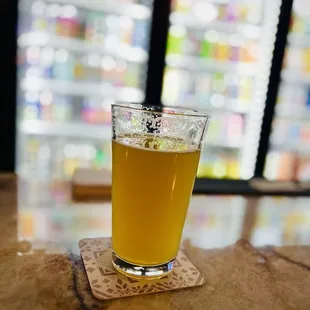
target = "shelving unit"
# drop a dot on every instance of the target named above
(192, 21)
(229, 106)
(75, 59)
(197, 63)
(218, 60)
(295, 76)
(133, 10)
(123, 51)
(299, 40)
(127, 94)
(80, 130)
(288, 158)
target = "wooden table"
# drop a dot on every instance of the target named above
(40, 265)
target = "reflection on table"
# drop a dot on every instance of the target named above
(48, 219)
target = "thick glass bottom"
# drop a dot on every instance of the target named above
(141, 272)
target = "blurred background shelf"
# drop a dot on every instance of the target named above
(299, 39)
(295, 76)
(127, 94)
(296, 117)
(79, 130)
(193, 21)
(286, 147)
(197, 63)
(122, 51)
(225, 145)
(288, 157)
(227, 105)
(133, 10)
(76, 58)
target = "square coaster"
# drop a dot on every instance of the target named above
(106, 283)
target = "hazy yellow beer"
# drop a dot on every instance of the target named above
(151, 193)
(155, 159)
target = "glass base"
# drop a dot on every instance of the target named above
(141, 272)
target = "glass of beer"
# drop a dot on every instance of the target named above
(155, 157)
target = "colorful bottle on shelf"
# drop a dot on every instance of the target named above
(140, 34)
(207, 43)
(176, 40)
(69, 22)
(223, 48)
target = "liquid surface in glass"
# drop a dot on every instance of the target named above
(153, 180)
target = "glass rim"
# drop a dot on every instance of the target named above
(178, 111)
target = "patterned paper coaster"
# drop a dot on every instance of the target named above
(106, 283)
